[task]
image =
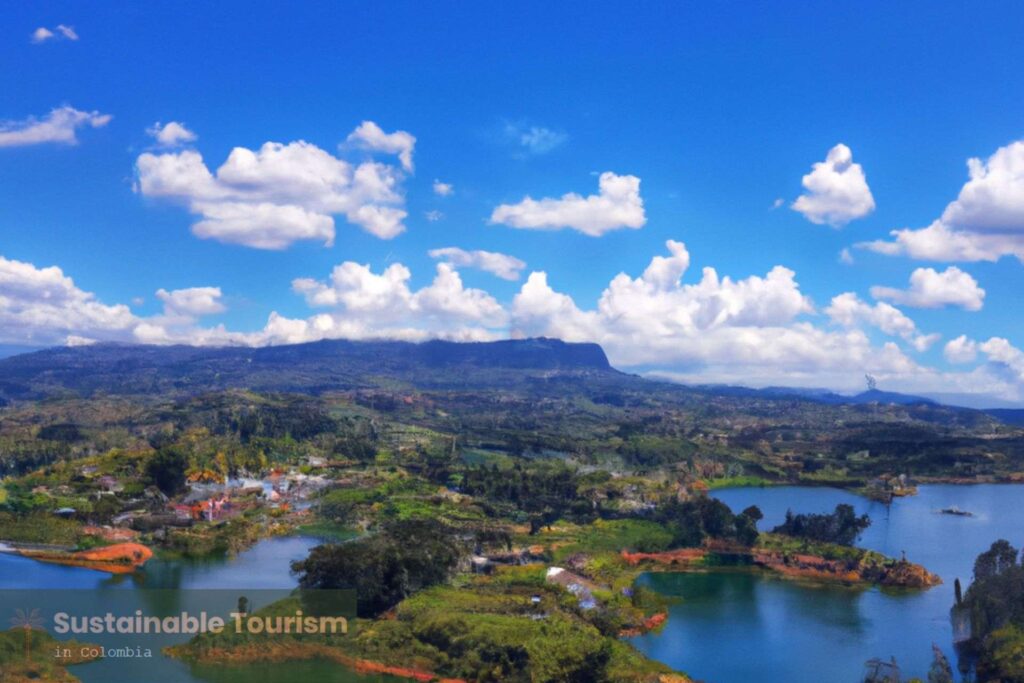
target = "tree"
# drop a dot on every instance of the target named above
(694, 521)
(842, 526)
(993, 607)
(940, 671)
(386, 567)
(166, 470)
(994, 561)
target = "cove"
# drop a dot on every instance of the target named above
(265, 566)
(736, 627)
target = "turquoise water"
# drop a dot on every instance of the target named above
(729, 628)
(264, 568)
(735, 628)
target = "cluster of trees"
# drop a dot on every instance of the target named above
(841, 526)
(993, 608)
(385, 567)
(694, 521)
(166, 469)
(545, 491)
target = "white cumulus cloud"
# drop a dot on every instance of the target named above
(59, 126)
(932, 289)
(849, 310)
(984, 223)
(44, 306)
(279, 194)
(367, 304)
(746, 331)
(192, 301)
(753, 331)
(961, 350)
(368, 135)
(504, 266)
(617, 205)
(171, 134)
(836, 190)
(443, 189)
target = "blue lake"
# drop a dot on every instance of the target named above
(164, 587)
(735, 628)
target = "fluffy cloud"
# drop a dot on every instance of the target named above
(193, 301)
(1005, 357)
(42, 34)
(504, 266)
(365, 304)
(443, 189)
(44, 306)
(617, 205)
(961, 350)
(279, 194)
(59, 126)
(171, 134)
(836, 190)
(717, 329)
(370, 136)
(61, 32)
(848, 310)
(984, 223)
(355, 290)
(757, 330)
(932, 289)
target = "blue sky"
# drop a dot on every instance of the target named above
(718, 110)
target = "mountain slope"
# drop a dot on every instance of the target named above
(305, 368)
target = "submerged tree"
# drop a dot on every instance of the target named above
(940, 671)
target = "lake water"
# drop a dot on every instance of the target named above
(187, 585)
(728, 628)
(736, 628)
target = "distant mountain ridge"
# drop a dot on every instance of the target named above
(828, 396)
(309, 368)
(553, 365)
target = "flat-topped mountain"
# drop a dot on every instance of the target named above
(313, 367)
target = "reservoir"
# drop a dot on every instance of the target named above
(735, 627)
(726, 628)
(264, 568)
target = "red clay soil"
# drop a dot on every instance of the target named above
(120, 558)
(681, 556)
(649, 624)
(270, 653)
(901, 573)
(366, 666)
(807, 566)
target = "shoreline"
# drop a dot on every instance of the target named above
(870, 569)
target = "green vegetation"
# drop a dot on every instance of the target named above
(842, 526)
(27, 654)
(466, 472)
(747, 481)
(39, 528)
(695, 521)
(386, 567)
(992, 614)
(510, 626)
(166, 470)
